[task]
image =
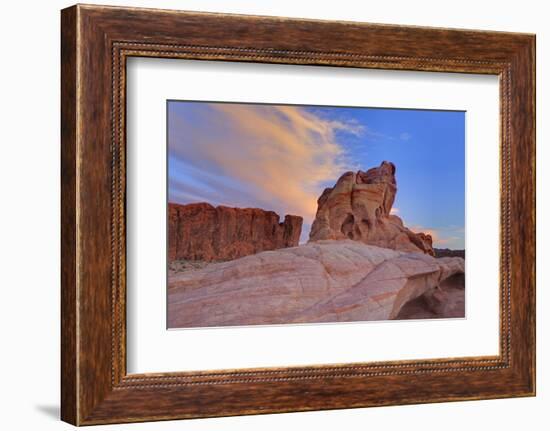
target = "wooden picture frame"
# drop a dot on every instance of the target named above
(95, 43)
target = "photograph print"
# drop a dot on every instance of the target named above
(296, 214)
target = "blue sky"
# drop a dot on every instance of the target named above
(281, 157)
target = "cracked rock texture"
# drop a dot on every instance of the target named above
(358, 207)
(322, 281)
(200, 231)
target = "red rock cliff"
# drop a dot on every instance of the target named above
(358, 207)
(200, 231)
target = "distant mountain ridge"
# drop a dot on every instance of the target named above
(447, 252)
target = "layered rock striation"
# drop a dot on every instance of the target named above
(200, 231)
(322, 281)
(359, 207)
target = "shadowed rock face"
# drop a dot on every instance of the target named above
(444, 301)
(203, 232)
(358, 207)
(322, 281)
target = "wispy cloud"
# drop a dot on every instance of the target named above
(405, 136)
(272, 157)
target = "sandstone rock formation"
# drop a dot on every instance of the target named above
(322, 281)
(201, 231)
(358, 207)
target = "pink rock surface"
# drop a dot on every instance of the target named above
(358, 207)
(203, 232)
(322, 281)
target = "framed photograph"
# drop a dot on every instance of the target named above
(266, 215)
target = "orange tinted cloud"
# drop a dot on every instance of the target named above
(282, 153)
